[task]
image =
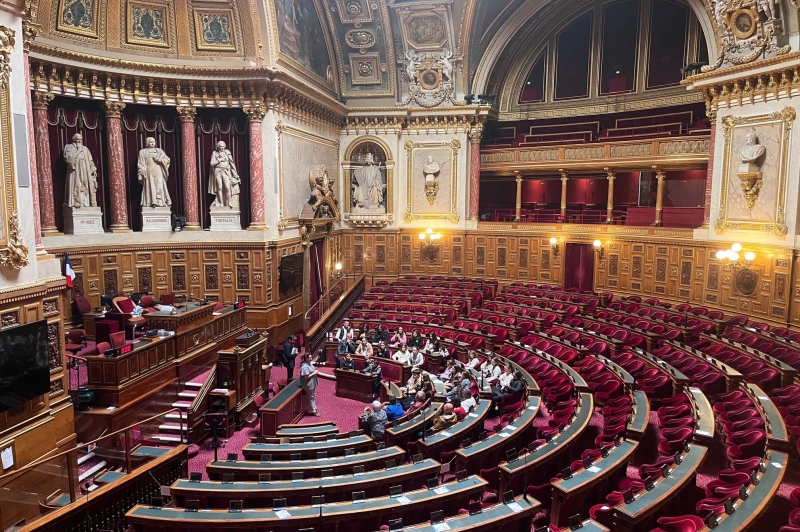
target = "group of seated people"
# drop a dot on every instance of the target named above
(378, 414)
(410, 350)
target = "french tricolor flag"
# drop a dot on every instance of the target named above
(69, 273)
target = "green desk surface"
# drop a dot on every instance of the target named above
(282, 396)
(306, 430)
(304, 447)
(664, 488)
(254, 489)
(642, 417)
(760, 496)
(152, 452)
(703, 411)
(461, 428)
(489, 517)
(427, 413)
(387, 454)
(602, 467)
(108, 476)
(143, 514)
(778, 433)
(525, 419)
(627, 378)
(572, 431)
(579, 381)
(61, 500)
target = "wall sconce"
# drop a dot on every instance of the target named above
(554, 243)
(598, 246)
(732, 257)
(429, 238)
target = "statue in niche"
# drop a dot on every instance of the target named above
(153, 171)
(369, 185)
(224, 180)
(752, 151)
(431, 169)
(81, 189)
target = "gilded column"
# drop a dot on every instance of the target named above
(709, 173)
(519, 197)
(610, 203)
(564, 179)
(44, 169)
(660, 177)
(116, 167)
(29, 33)
(190, 175)
(475, 171)
(256, 114)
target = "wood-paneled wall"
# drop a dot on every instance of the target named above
(667, 265)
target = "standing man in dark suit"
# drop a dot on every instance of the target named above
(289, 356)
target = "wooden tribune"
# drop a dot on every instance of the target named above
(286, 407)
(354, 385)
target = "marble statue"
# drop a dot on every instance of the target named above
(768, 8)
(81, 189)
(153, 171)
(752, 151)
(431, 169)
(224, 180)
(368, 193)
(413, 61)
(445, 60)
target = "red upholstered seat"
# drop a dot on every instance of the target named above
(681, 523)
(124, 304)
(102, 347)
(76, 340)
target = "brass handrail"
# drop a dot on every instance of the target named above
(341, 278)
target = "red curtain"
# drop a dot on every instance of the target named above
(579, 266)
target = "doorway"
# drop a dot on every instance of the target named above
(579, 267)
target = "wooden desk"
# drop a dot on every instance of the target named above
(500, 517)
(679, 379)
(372, 512)
(283, 469)
(187, 316)
(239, 370)
(703, 414)
(286, 407)
(354, 385)
(311, 429)
(732, 376)
(787, 372)
(89, 320)
(570, 495)
(451, 437)
(777, 435)
(376, 483)
(405, 427)
(637, 515)
(254, 451)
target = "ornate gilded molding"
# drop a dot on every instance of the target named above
(256, 111)
(452, 216)
(41, 100)
(13, 254)
(29, 33)
(383, 120)
(778, 228)
(113, 109)
(186, 114)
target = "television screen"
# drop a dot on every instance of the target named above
(290, 273)
(24, 368)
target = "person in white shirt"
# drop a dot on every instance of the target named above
(474, 361)
(486, 367)
(495, 371)
(430, 343)
(506, 377)
(416, 359)
(364, 348)
(402, 355)
(343, 331)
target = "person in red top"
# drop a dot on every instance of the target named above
(419, 400)
(459, 410)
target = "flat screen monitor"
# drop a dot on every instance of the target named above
(24, 364)
(290, 274)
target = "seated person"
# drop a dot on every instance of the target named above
(375, 370)
(439, 350)
(427, 386)
(459, 389)
(382, 351)
(473, 361)
(419, 401)
(364, 347)
(458, 409)
(416, 340)
(346, 345)
(446, 419)
(514, 386)
(486, 367)
(402, 355)
(414, 383)
(380, 334)
(393, 409)
(399, 338)
(505, 377)
(348, 363)
(455, 378)
(375, 419)
(416, 359)
(430, 343)
(494, 371)
(449, 369)
(343, 331)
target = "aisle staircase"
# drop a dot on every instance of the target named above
(174, 429)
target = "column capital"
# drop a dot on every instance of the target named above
(29, 33)
(186, 113)
(41, 100)
(609, 174)
(256, 111)
(113, 109)
(660, 174)
(564, 175)
(519, 176)
(475, 134)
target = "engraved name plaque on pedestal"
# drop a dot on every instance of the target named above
(83, 221)
(225, 219)
(156, 219)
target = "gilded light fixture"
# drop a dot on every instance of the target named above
(601, 251)
(429, 242)
(554, 244)
(733, 257)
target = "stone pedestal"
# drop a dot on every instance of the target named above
(83, 221)
(225, 219)
(156, 219)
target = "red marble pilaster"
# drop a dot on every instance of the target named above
(190, 207)
(44, 169)
(709, 175)
(32, 164)
(116, 167)
(256, 114)
(474, 177)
